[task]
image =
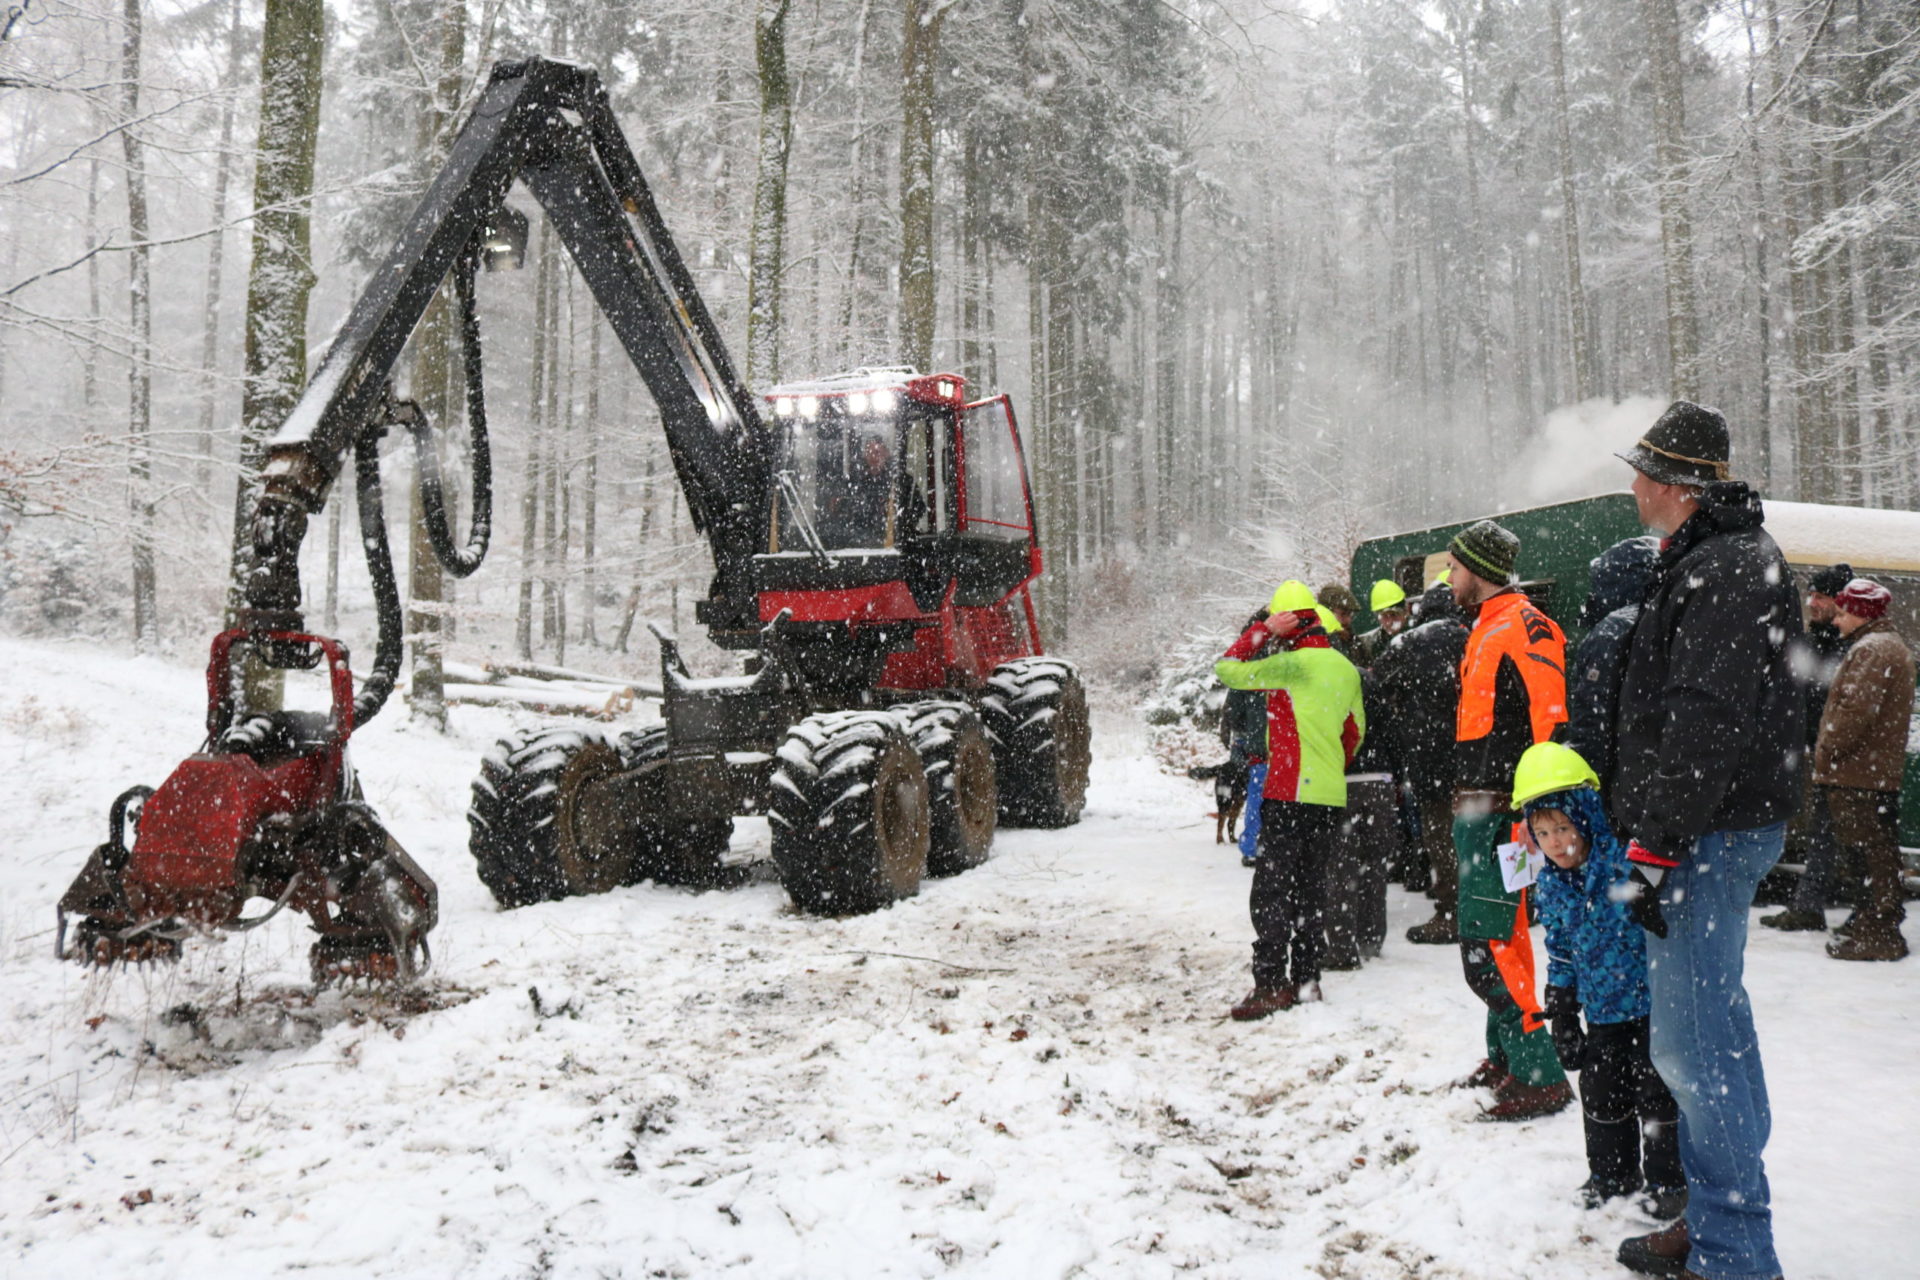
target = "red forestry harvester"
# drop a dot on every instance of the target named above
(872, 539)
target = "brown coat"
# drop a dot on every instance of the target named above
(1863, 731)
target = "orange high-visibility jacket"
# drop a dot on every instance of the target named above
(1513, 690)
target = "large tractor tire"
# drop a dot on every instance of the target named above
(679, 851)
(1036, 712)
(848, 809)
(531, 840)
(962, 797)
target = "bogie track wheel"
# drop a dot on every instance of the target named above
(1035, 709)
(962, 796)
(848, 809)
(675, 850)
(536, 828)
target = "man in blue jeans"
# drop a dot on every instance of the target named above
(1710, 734)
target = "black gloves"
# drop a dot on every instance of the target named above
(1641, 893)
(1569, 1037)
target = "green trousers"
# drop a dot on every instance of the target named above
(1486, 910)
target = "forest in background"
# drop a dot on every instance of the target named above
(1262, 279)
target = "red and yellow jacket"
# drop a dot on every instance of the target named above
(1513, 690)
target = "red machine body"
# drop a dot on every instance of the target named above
(194, 829)
(976, 547)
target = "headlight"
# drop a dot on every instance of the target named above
(857, 402)
(882, 401)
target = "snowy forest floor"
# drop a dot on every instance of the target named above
(1024, 1071)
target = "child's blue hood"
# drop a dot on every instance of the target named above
(1589, 816)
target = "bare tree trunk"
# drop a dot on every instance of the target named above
(216, 261)
(590, 493)
(1763, 219)
(530, 488)
(330, 615)
(1578, 339)
(1676, 222)
(433, 368)
(919, 57)
(89, 372)
(767, 256)
(849, 301)
(280, 278)
(146, 620)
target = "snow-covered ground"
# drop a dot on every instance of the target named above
(1025, 1071)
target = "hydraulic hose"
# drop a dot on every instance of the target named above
(460, 561)
(386, 591)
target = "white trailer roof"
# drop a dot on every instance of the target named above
(1815, 534)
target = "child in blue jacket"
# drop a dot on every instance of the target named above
(1597, 962)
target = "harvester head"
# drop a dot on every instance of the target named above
(268, 808)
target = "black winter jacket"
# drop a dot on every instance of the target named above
(1711, 724)
(1418, 681)
(1593, 690)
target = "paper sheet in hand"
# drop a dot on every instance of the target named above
(1519, 866)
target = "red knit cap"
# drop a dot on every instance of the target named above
(1864, 598)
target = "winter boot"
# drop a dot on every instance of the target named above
(1613, 1151)
(1488, 1075)
(1530, 1101)
(1263, 1002)
(1663, 1204)
(1441, 931)
(1595, 1192)
(1793, 920)
(1869, 944)
(1845, 928)
(1658, 1253)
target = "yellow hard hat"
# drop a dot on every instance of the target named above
(1444, 578)
(1387, 594)
(1547, 767)
(1327, 620)
(1294, 596)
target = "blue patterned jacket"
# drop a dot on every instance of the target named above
(1593, 945)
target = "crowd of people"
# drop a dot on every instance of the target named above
(1628, 803)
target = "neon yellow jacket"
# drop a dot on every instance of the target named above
(1315, 719)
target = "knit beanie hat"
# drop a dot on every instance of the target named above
(1832, 580)
(1488, 550)
(1864, 598)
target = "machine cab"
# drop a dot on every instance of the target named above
(894, 501)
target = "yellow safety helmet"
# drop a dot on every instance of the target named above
(1444, 578)
(1294, 596)
(1387, 594)
(1327, 618)
(1547, 767)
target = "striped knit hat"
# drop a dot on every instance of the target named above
(1487, 550)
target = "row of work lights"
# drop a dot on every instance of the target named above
(881, 401)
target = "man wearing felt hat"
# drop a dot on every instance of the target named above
(1710, 740)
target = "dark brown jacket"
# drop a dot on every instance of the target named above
(1863, 731)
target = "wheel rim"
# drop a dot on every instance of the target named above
(976, 796)
(592, 855)
(900, 819)
(1073, 747)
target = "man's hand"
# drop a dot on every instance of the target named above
(1283, 624)
(1641, 892)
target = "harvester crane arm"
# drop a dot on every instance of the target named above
(548, 124)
